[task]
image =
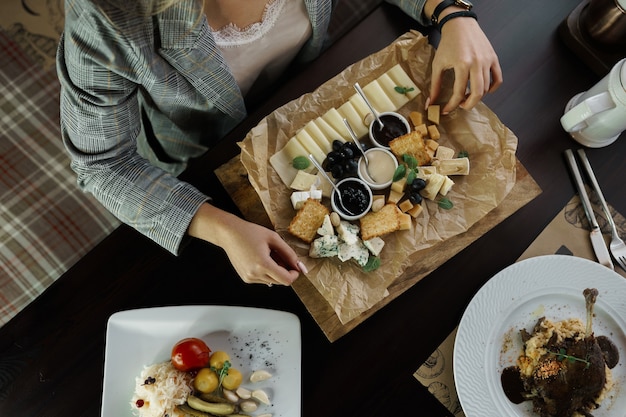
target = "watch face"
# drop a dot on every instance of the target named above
(464, 3)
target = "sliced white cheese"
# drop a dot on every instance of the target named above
(335, 120)
(326, 229)
(309, 144)
(347, 111)
(324, 247)
(389, 87)
(377, 96)
(329, 131)
(402, 79)
(318, 136)
(294, 148)
(374, 245)
(361, 107)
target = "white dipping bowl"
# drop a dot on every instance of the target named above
(357, 183)
(382, 165)
(395, 125)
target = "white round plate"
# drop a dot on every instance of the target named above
(488, 341)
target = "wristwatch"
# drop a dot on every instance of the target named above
(464, 4)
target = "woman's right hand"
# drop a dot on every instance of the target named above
(258, 254)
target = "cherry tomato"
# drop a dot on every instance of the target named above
(190, 354)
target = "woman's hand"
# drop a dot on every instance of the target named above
(258, 254)
(464, 47)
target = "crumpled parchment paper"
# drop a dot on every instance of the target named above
(490, 145)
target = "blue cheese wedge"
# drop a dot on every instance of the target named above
(374, 245)
(348, 232)
(356, 251)
(324, 247)
(327, 228)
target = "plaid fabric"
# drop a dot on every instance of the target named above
(46, 222)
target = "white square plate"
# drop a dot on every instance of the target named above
(255, 339)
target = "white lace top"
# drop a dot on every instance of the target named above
(260, 52)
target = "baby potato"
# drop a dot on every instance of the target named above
(218, 358)
(206, 381)
(233, 379)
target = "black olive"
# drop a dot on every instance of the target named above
(336, 171)
(418, 184)
(415, 198)
(351, 167)
(333, 157)
(347, 152)
(337, 145)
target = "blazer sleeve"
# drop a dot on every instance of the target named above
(414, 9)
(100, 122)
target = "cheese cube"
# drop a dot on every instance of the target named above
(405, 221)
(443, 152)
(416, 210)
(303, 181)
(433, 113)
(394, 196)
(299, 197)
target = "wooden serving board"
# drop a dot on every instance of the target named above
(234, 178)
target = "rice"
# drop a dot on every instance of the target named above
(159, 389)
(535, 346)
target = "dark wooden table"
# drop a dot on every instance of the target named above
(52, 353)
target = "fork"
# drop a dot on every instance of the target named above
(617, 246)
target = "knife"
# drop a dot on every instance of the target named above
(597, 240)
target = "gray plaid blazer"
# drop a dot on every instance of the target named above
(118, 71)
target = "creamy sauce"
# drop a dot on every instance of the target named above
(381, 166)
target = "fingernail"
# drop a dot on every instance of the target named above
(427, 103)
(302, 267)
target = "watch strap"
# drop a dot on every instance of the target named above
(440, 7)
(453, 15)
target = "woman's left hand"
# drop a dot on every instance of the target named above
(464, 48)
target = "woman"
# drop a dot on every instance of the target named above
(149, 84)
